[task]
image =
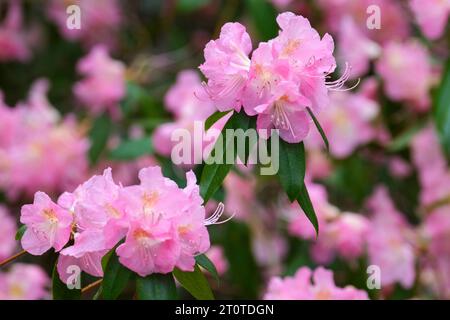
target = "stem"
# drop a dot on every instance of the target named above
(12, 258)
(91, 286)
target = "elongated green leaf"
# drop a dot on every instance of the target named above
(216, 116)
(441, 110)
(305, 203)
(115, 278)
(132, 149)
(195, 283)
(156, 287)
(292, 168)
(213, 174)
(204, 262)
(60, 291)
(20, 232)
(319, 128)
(99, 137)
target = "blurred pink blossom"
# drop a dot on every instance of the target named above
(433, 171)
(13, 38)
(394, 67)
(100, 20)
(24, 282)
(217, 257)
(34, 140)
(347, 122)
(391, 241)
(309, 284)
(431, 16)
(103, 87)
(8, 229)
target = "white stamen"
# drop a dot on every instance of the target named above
(214, 218)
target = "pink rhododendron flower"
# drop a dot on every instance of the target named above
(163, 225)
(8, 229)
(282, 112)
(307, 284)
(395, 65)
(103, 16)
(168, 228)
(13, 40)
(35, 140)
(91, 263)
(227, 65)
(347, 122)
(104, 84)
(390, 242)
(48, 225)
(217, 257)
(284, 76)
(431, 16)
(24, 282)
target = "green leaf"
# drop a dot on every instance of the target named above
(292, 168)
(214, 174)
(99, 135)
(204, 262)
(305, 203)
(132, 149)
(319, 128)
(216, 116)
(441, 110)
(243, 269)
(156, 287)
(20, 232)
(115, 278)
(263, 16)
(195, 283)
(60, 291)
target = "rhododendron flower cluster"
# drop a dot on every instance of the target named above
(24, 282)
(309, 284)
(33, 140)
(283, 77)
(163, 226)
(104, 84)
